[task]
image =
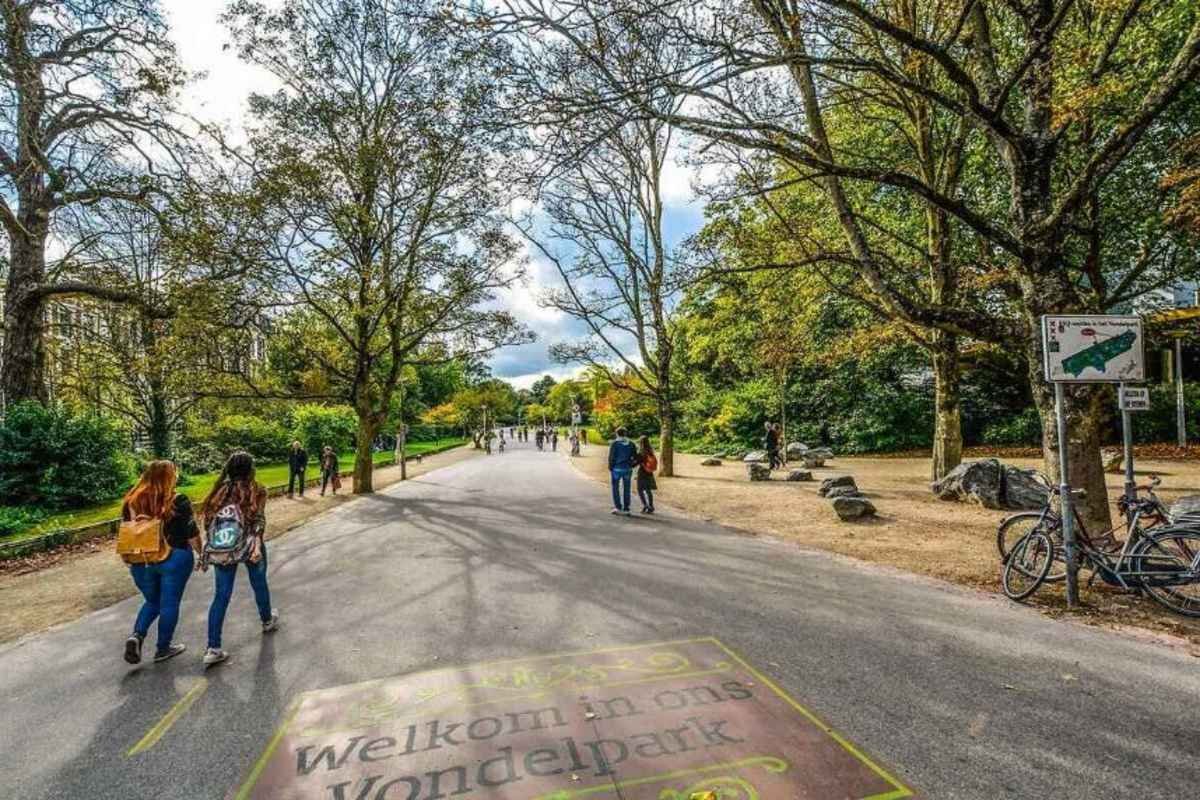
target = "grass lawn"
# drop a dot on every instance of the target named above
(199, 485)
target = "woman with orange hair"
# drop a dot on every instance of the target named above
(161, 584)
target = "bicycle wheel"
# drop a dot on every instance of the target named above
(1168, 564)
(1015, 528)
(1027, 565)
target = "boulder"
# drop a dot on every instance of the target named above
(755, 455)
(843, 491)
(711, 462)
(851, 508)
(839, 480)
(992, 484)
(799, 475)
(822, 452)
(1113, 460)
(1187, 506)
(758, 472)
(735, 454)
(796, 450)
(811, 460)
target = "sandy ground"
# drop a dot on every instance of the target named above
(913, 531)
(90, 576)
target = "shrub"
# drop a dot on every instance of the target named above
(199, 457)
(14, 520)
(61, 458)
(1022, 428)
(209, 445)
(316, 426)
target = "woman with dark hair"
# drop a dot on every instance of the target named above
(235, 512)
(161, 584)
(647, 463)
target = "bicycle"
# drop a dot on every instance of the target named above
(1161, 560)
(1136, 511)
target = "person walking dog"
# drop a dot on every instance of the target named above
(154, 513)
(297, 464)
(622, 456)
(235, 519)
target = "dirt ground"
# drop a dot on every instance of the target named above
(913, 531)
(52, 588)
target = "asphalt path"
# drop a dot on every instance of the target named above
(516, 555)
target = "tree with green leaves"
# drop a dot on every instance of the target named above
(375, 175)
(88, 89)
(1066, 109)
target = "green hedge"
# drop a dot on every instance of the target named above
(57, 457)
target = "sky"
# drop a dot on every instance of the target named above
(220, 96)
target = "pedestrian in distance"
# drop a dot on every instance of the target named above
(622, 458)
(554, 440)
(537, 438)
(297, 464)
(647, 465)
(330, 471)
(235, 520)
(771, 445)
(154, 508)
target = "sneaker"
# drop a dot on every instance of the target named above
(650, 510)
(273, 623)
(133, 649)
(214, 655)
(627, 513)
(170, 652)
(616, 511)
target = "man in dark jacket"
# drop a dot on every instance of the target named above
(622, 456)
(297, 463)
(771, 445)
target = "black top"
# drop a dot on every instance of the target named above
(181, 526)
(297, 459)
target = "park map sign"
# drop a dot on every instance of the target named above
(686, 720)
(1088, 349)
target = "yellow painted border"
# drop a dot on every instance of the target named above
(899, 789)
(898, 792)
(163, 725)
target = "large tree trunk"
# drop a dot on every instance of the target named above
(364, 456)
(947, 429)
(666, 440)
(160, 425)
(1085, 415)
(24, 354)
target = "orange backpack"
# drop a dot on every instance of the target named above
(650, 464)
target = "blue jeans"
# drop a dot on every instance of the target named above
(225, 576)
(162, 585)
(621, 481)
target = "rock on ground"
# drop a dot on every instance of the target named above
(849, 508)
(839, 480)
(799, 475)
(796, 450)
(812, 460)
(758, 472)
(992, 484)
(1113, 460)
(755, 455)
(843, 491)
(711, 461)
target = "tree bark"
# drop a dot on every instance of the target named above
(160, 426)
(364, 457)
(947, 430)
(666, 441)
(24, 354)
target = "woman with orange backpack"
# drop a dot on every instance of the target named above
(153, 506)
(647, 464)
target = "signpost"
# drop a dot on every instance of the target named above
(1088, 349)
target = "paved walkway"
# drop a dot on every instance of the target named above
(514, 557)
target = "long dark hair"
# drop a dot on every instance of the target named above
(236, 486)
(644, 448)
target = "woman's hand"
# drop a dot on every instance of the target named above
(255, 551)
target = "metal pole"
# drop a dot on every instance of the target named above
(1180, 415)
(1127, 435)
(400, 446)
(1064, 496)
